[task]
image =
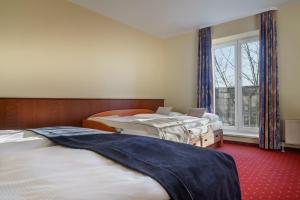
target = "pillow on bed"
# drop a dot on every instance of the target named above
(211, 116)
(196, 112)
(163, 110)
(174, 114)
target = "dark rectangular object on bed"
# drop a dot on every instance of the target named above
(186, 172)
(17, 113)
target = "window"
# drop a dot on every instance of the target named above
(236, 83)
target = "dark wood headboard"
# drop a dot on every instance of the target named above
(18, 113)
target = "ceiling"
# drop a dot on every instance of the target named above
(165, 18)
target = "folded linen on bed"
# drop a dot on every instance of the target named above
(186, 172)
(216, 125)
(13, 141)
(174, 128)
(169, 129)
(211, 116)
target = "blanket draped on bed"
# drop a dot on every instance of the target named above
(184, 171)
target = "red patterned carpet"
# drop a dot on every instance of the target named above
(266, 174)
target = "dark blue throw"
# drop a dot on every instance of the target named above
(186, 172)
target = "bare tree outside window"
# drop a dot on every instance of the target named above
(250, 83)
(225, 82)
(224, 59)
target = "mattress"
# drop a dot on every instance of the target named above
(32, 167)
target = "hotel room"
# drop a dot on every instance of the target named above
(149, 99)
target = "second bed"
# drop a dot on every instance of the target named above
(204, 131)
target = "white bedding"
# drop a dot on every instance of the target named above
(138, 124)
(33, 168)
(18, 141)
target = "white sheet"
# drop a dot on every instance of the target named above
(137, 124)
(211, 116)
(18, 141)
(216, 125)
(41, 170)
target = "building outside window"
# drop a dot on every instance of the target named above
(236, 81)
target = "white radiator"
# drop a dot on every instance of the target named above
(291, 130)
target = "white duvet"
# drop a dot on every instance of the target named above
(145, 124)
(33, 168)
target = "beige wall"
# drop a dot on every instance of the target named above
(53, 48)
(289, 60)
(181, 71)
(181, 58)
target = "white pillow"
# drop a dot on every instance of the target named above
(163, 110)
(173, 114)
(211, 116)
(196, 112)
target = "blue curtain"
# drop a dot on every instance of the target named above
(205, 71)
(269, 130)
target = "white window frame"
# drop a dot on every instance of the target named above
(236, 41)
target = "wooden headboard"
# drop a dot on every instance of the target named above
(18, 113)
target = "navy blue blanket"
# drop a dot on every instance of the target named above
(186, 172)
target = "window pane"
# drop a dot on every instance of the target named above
(224, 60)
(250, 86)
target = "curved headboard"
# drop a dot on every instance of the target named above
(88, 123)
(125, 112)
(19, 113)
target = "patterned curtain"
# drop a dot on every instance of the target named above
(269, 130)
(205, 72)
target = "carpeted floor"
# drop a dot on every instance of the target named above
(266, 174)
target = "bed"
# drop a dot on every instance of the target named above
(38, 166)
(32, 167)
(203, 132)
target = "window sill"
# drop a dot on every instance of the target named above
(240, 134)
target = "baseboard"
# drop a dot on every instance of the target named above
(238, 142)
(252, 142)
(291, 146)
(241, 139)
